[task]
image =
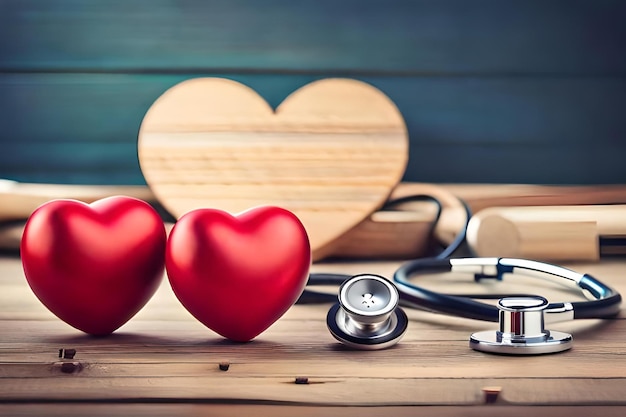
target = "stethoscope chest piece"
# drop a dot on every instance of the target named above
(521, 330)
(367, 316)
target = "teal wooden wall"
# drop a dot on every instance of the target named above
(491, 90)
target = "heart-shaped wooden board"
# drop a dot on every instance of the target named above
(331, 153)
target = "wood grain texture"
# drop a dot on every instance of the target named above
(408, 230)
(447, 37)
(287, 410)
(405, 229)
(482, 196)
(557, 233)
(400, 231)
(19, 200)
(387, 235)
(164, 356)
(212, 142)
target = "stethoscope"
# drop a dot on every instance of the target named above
(366, 313)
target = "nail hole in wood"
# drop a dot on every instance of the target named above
(491, 394)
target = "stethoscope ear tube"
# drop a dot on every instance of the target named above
(606, 303)
(322, 279)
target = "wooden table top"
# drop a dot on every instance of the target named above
(163, 362)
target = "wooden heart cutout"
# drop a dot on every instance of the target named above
(331, 153)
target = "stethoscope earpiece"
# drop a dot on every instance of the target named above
(367, 314)
(521, 330)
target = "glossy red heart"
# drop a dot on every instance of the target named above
(238, 275)
(94, 265)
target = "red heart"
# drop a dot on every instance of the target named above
(238, 275)
(94, 265)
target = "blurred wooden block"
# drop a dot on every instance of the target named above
(556, 233)
(402, 235)
(388, 235)
(19, 200)
(405, 232)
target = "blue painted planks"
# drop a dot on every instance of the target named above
(492, 90)
(483, 129)
(526, 111)
(573, 37)
(116, 163)
(547, 164)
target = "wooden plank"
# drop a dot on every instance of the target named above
(116, 164)
(539, 231)
(447, 37)
(164, 325)
(287, 352)
(482, 196)
(486, 111)
(401, 233)
(163, 355)
(68, 128)
(326, 391)
(144, 364)
(287, 410)
(301, 330)
(19, 303)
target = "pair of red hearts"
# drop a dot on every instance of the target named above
(96, 265)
